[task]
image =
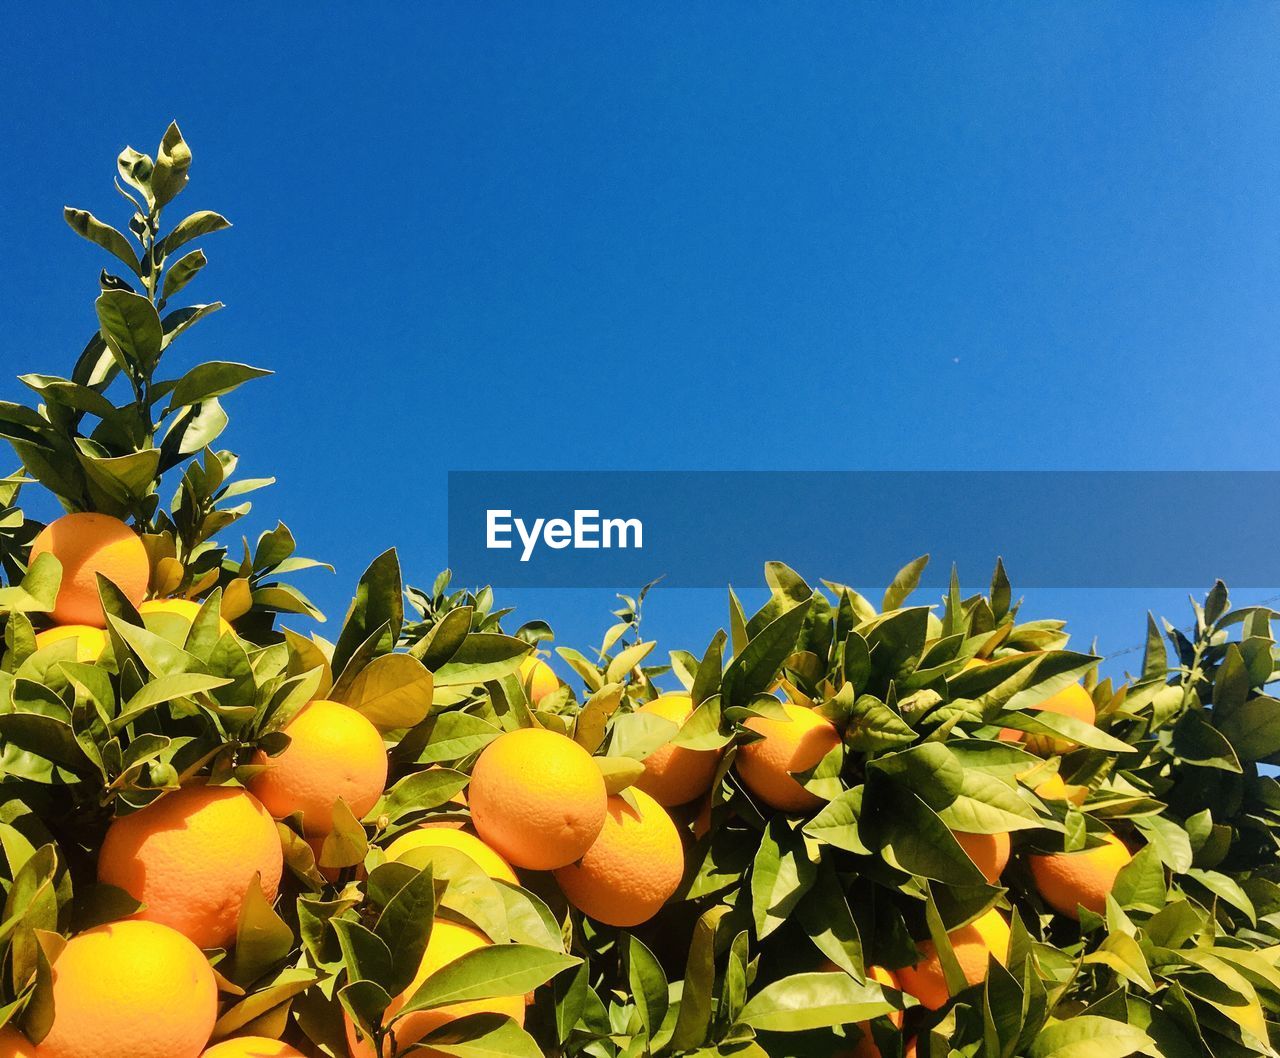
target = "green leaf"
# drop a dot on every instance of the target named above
(780, 875)
(212, 379)
(648, 986)
(181, 272)
(419, 791)
(1124, 955)
(131, 327)
(481, 1036)
(454, 735)
(487, 973)
(39, 588)
(1088, 1036)
(813, 1001)
(405, 927)
(755, 668)
(161, 690)
(696, 999)
(262, 937)
(393, 691)
(193, 227)
(482, 657)
(837, 823)
(172, 164)
(904, 583)
(87, 226)
(378, 602)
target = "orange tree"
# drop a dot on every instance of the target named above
(852, 829)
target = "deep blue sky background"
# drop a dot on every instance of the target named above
(680, 236)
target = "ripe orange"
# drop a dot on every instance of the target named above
(537, 798)
(787, 746)
(334, 752)
(449, 941)
(251, 1047)
(183, 610)
(468, 844)
(632, 868)
(1068, 879)
(90, 641)
(989, 851)
(674, 775)
(1054, 789)
(15, 1045)
(131, 990)
(1073, 701)
(86, 545)
(538, 678)
(986, 935)
(190, 857)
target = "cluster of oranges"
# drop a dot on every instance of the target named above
(538, 801)
(1065, 881)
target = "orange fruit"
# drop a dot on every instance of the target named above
(86, 545)
(989, 851)
(631, 869)
(1054, 789)
(131, 990)
(251, 1047)
(674, 775)
(468, 844)
(449, 941)
(537, 798)
(1073, 701)
(184, 610)
(792, 745)
(987, 935)
(90, 641)
(190, 857)
(1067, 879)
(333, 752)
(15, 1045)
(866, 1045)
(538, 677)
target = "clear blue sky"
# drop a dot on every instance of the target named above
(680, 236)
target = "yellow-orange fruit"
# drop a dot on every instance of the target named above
(1067, 879)
(251, 1047)
(190, 857)
(15, 1045)
(90, 641)
(792, 745)
(333, 752)
(674, 775)
(537, 798)
(131, 990)
(632, 868)
(1073, 701)
(468, 844)
(538, 678)
(1054, 789)
(449, 941)
(86, 545)
(989, 851)
(185, 609)
(987, 935)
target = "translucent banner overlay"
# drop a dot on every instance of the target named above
(698, 529)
